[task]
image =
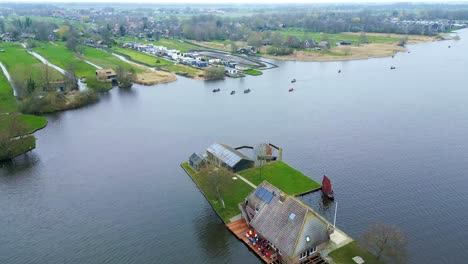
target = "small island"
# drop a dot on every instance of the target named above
(256, 197)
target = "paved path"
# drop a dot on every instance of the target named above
(7, 75)
(81, 86)
(246, 181)
(94, 65)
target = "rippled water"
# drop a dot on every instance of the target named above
(104, 184)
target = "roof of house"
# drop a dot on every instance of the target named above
(286, 224)
(227, 154)
(105, 72)
(196, 158)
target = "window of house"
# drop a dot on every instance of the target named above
(303, 255)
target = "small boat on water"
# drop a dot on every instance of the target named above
(216, 90)
(291, 90)
(327, 190)
(392, 68)
(233, 92)
(247, 91)
(293, 80)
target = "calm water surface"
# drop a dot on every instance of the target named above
(104, 184)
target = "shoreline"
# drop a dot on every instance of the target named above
(364, 52)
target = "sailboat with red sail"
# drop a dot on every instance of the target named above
(327, 187)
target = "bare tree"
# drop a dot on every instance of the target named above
(46, 75)
(70, 79)
(387, 242)
(217, 177)
(261, 152)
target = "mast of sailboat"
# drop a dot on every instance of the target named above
(334, 219)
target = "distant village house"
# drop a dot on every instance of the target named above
(106, 75)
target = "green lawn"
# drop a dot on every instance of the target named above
(33, 123)
(61, 56)
(334, 38)
(235, 191)
(7, 100)
(179, 68)
(253, 72)
(142, 57)
(283, 176)
(345, 254)
(163, 64)
(19, 62)
(18, 147)
(106, 60)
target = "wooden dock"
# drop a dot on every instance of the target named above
(238, 228)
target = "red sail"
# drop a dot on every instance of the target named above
(326, 185)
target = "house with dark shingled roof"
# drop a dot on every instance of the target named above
(290, 226)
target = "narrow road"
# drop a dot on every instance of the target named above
(94, 65)
(81, 86)
(7, 75)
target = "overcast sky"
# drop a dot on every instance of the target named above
(243, 1)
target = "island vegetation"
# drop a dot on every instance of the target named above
(225, 192)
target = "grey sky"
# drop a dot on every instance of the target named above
(243, 1)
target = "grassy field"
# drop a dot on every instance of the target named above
(163, 64)
(283, 176)
(18, 147)
(59, 55)
(18, 61)
(345, 254)
(253, 72)
(7, 100)
(29, 123)
(334, 38)
(106, 60)
(235, 191)
(184, 69)
(142, 57)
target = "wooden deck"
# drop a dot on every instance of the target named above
(238, 228)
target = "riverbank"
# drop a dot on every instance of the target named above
(16, 129)
(147, 75)
(158, 63)
(353, 52)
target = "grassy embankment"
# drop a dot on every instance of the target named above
(378, 45)
(144, 75)
(235, 191)
(159, 63)
(285, 177)
(19, 62)
(345, 254)
(26, 124)
(253, 72)
(59, 55)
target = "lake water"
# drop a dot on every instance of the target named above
(104, 184)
